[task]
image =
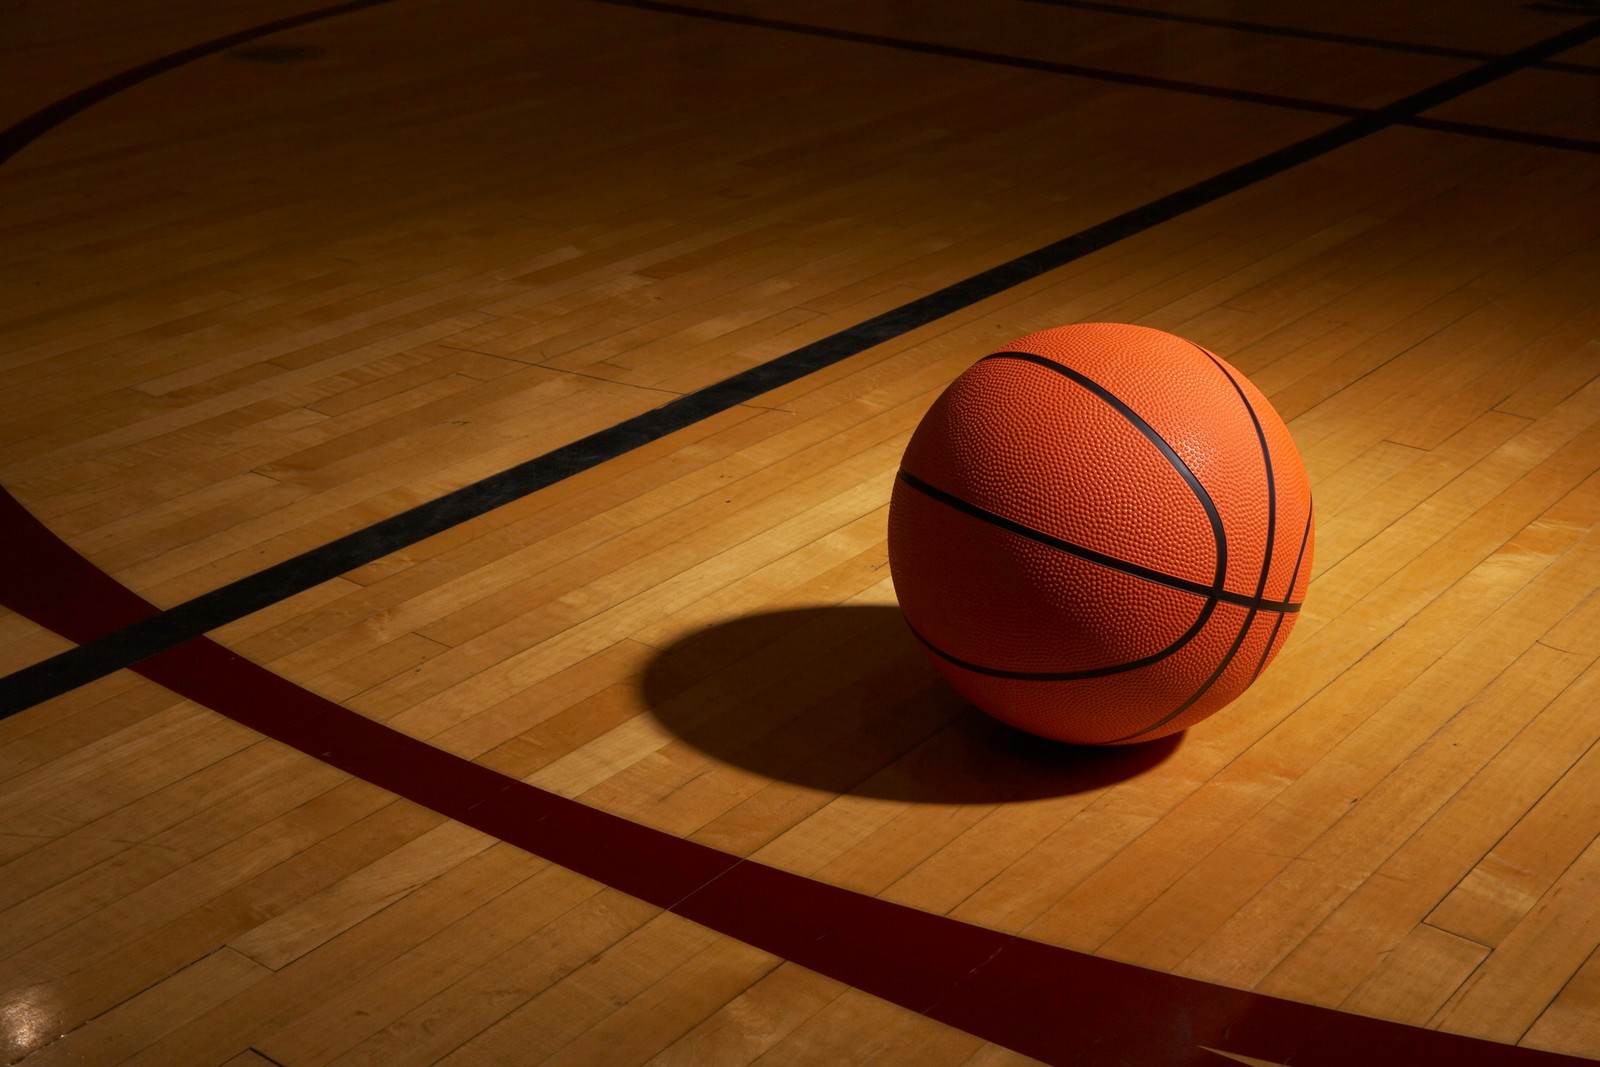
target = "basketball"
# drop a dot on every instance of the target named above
(1101, 533)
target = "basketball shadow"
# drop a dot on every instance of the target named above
(842, 699)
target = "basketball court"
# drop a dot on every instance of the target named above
(445, 613)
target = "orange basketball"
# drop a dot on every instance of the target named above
(1101, 533)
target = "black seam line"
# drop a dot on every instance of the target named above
(21, 134)
(125, 647)
(1266, 464)
(1089, 555)
(1212, 593)
(1269, 29)
(1292, 103)
(1073, 676)
(1205, 687)
(1266, 551)
(1294, 576)
(1219, 536)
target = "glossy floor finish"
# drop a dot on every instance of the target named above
(420, 416)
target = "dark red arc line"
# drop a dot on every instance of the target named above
(1055, 1004)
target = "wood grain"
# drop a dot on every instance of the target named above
(251, 307)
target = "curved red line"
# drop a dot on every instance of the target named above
(1051, 1003)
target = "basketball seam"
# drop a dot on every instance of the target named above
(1089, 672)
(1170, 581)
(1217, 592)
(1266, 561)
(1218, 534)
(1214, 593)
(1294, 577)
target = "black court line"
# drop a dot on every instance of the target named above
(21, 134)
(1051, 1003)
(1000, 59)
(134, 643)
(1117, 77)
(1502, 133)
(1302, 34)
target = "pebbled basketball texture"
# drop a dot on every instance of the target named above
(1101, 533)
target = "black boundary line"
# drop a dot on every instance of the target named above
(1273, 30)
(1051, 1003)
(1502, 133)
(85, 663)
(999, 59)
(21, 134)
(1103, 74)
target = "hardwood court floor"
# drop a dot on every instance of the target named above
(265, 295)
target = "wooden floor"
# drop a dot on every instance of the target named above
(273, 294)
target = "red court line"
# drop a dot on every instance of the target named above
(1055, 1004)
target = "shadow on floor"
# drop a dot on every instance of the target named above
(842, 699)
